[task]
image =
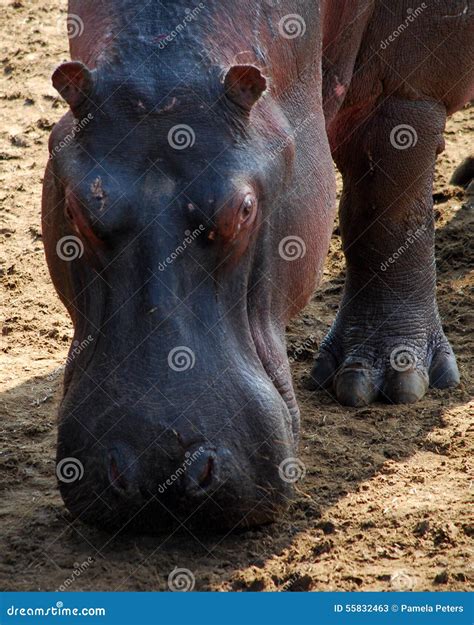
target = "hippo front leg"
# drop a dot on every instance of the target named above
(387, 341)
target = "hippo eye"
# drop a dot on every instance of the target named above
(68, 211)
(247, 208)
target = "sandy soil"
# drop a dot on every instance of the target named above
(385, 501)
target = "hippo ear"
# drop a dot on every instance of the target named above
(244, 84)
(73, 80)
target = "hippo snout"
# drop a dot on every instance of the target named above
(195, 458)
(203, 487)
(199, 474)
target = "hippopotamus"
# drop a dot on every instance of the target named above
(188, 205)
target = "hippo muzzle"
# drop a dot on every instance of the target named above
(188, 448)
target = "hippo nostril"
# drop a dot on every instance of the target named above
(201, 473)
(116, 478)
(205, 478)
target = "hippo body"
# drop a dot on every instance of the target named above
(193, 178)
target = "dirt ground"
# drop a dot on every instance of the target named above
(385, 501)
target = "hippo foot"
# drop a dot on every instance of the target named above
(397, 371)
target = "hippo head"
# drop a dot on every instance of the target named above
(162, 218)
